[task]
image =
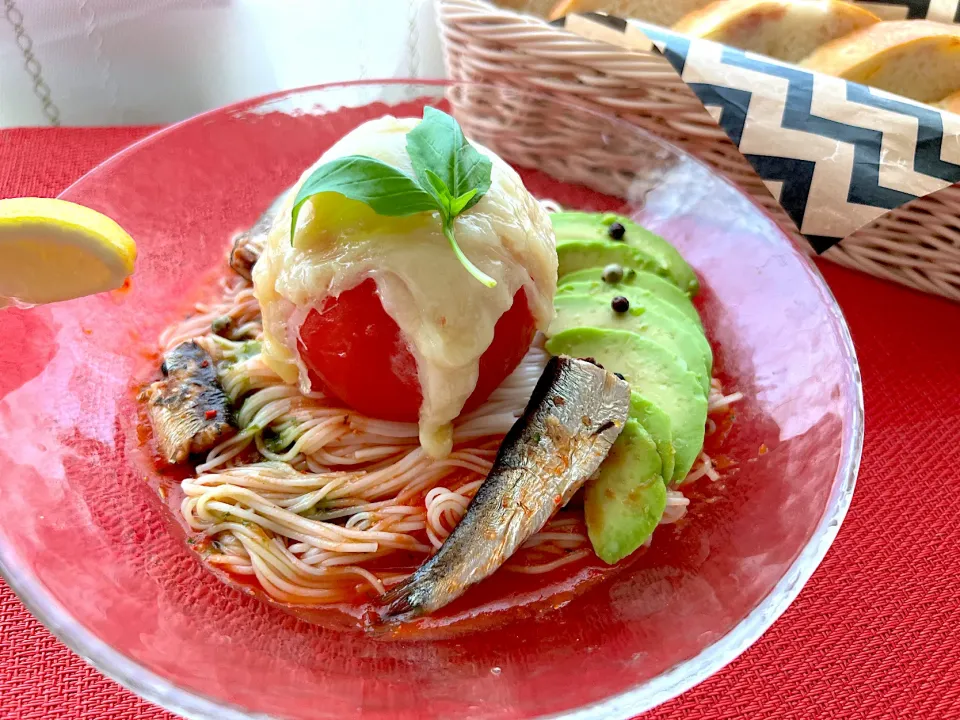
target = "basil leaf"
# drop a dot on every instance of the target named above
(439, 190)
(452, 177)
(458, 204)
(385, 189)
(450, 207)
(437, 143)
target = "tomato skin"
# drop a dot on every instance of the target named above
(355, 351)
(512, 336)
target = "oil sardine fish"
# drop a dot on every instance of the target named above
(188, 409)
(575, 414)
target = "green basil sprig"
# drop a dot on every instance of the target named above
(451, 177)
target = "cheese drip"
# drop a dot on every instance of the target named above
(446, 316)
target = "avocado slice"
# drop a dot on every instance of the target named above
(656, 422)
(575, 226)
(579, 254)
(595, 274)
(641, 297)
(653, 372)
(648, 316)
(623, 504)
(639, 279)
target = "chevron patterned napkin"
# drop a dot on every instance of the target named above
(835, 154)
(939, 10)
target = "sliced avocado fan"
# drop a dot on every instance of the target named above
(623, 298)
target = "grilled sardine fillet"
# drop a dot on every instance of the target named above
(575, 414)
(188, 409)
(249, 244)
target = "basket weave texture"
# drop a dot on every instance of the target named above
(917, 244)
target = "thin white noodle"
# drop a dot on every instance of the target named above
(547, 567)
(551, 206)
(718, 400)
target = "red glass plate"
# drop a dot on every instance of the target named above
(91, 550)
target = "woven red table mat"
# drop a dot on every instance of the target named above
(876, 632)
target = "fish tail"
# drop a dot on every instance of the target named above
(398, 603)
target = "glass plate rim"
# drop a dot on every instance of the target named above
(623, 706)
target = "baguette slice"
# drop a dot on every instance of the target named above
(918, 59)
(951, 103)
(658, 12)
(787, 30)
(540, 8)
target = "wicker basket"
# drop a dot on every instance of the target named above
(917, 244)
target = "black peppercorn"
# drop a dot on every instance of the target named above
(616, 231)
(620, 304)
(613, 273)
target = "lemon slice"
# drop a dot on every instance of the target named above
(53, 250)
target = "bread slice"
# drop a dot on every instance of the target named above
(658, 12)
(951, 102)
(787, 30)
(918, 59)
(540, 8)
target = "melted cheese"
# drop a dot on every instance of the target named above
(446, 316)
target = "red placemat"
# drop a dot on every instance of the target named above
(876, 632)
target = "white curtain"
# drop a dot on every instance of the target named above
(111, 62)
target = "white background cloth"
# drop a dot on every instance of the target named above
(112, 62)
